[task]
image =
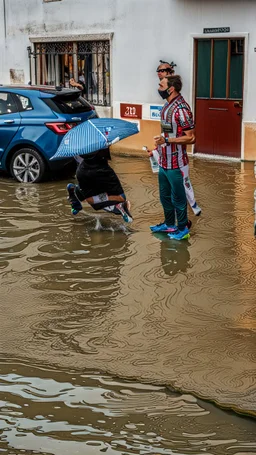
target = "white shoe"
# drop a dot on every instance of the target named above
(196, 209)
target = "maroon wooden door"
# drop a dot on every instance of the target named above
(219, 91)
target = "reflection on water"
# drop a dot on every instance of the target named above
(60, 413)
(91, 293)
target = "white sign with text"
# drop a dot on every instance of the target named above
(155, 112)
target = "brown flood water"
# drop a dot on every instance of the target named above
(87, 300)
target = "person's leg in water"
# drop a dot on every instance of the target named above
(74, 197)
(190, 198)
(116, 204)
(174, 202)
(168, 225)
(179, 201)
(91, 182)
(116, 199)
(190, 191)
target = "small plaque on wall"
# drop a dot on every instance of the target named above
(217, 30)
(130, 110)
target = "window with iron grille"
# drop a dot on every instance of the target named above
(88, 62)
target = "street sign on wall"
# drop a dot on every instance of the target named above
(155, 112)
(130, 110)
(217, 30)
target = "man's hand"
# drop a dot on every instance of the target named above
(149, 152)
(73, 82)
(159, 140)
(189, 137)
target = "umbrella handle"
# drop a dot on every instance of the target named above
(117, 139)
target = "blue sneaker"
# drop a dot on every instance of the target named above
(180, 235)
(76, 205)
(124, 209)
(162, 227)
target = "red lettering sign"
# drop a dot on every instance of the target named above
(131, 110)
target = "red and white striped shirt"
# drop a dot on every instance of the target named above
(176, 117)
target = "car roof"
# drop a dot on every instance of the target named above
(49, 89)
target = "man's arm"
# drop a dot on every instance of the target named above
(189, 137)
(79, 86)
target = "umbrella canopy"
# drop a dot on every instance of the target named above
(92, 135)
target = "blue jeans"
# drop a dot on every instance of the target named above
(173, 196)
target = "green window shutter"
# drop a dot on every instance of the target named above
(203, 68)
(236, 69)
(220, 68)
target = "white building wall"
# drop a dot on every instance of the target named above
(2, 44)
(144, 32)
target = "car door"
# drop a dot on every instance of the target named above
(9, 120)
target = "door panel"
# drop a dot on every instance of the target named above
(204, 129)
(9, 120)
(219, 127)
(219, 77)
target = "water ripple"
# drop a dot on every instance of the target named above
(90, 293)
(58, 412)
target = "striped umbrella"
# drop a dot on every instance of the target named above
(92, 135)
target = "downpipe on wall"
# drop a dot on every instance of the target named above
(255, 201)
(4, 11)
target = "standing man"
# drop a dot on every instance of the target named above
(178, 130)
(163, 70)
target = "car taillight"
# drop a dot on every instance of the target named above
(60, 128)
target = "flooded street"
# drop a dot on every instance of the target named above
(111, 336)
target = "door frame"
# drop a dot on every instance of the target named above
(196, 36)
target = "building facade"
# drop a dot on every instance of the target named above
(114, 46)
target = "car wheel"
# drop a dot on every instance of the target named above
(27, 166)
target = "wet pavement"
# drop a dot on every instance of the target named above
(88, 300)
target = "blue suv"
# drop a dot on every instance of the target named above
(33, 120)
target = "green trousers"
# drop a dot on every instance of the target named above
(173, 197)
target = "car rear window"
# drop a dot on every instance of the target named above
(71, 104)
